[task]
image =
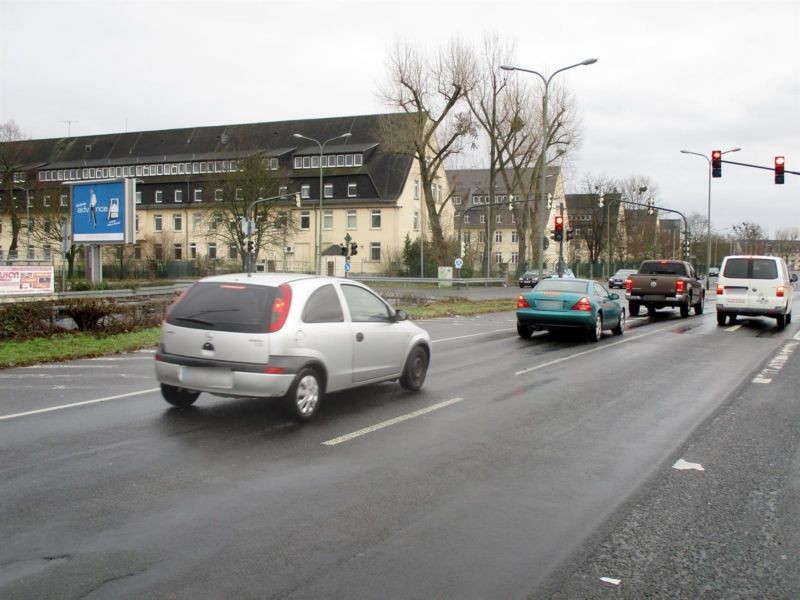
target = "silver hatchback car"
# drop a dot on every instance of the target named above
(286, 336)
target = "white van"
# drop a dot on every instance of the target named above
(754, 286)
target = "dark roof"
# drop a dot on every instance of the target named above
(466, 182)
(387, 169)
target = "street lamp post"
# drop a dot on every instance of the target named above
(708, 241)
(543, 155)
(318, 247)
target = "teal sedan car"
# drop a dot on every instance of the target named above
(570, 304)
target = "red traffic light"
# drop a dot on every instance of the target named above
(559, 223)
(716, 163)
(780, 161)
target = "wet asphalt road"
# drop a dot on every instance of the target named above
(524, 468)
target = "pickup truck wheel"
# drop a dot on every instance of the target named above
(721, 318)
(698, 308)
(781, 321)
(651, 311)
(633, 308)
(620, 328)
(685, 309)
(597, 331)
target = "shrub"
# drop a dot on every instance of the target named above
(24, 320)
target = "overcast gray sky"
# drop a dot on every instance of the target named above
(670, 75)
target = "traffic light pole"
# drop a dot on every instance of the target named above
(249, 226)
(561, 243)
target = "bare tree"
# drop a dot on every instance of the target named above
(46, 224)
(11, 137)
(750, 237)
(235, 193)
(431, 90)
(786, 242)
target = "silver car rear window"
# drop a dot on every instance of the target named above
(223, 306)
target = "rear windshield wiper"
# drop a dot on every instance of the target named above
(191, 320)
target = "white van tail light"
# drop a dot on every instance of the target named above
(720, 290)
(779, 291)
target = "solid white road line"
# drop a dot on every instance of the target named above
(75, 404)
(417, 413)
(733, 327)
(461, 337)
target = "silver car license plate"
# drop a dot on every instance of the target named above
(209, 377)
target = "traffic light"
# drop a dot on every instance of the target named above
(462, 249)
(687, 250)
(779, 163)
(570, 234)
(558, 232)
(353, 248)
(549, 201)
(343, 249)
(250, 246)
(716, 163)
(601, 200)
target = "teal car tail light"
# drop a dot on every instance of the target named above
(521, 302)
(582, 304)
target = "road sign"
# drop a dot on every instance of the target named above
(458, 263)
(347, 267)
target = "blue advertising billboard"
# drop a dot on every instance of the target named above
(102, 212)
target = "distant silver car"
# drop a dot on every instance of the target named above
(286, 336)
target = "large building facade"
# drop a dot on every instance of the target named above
(351, 183)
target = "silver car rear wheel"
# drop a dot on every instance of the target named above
(302, 401)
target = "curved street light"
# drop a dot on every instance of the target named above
(708, 241)
(543, 155)
(318, 247)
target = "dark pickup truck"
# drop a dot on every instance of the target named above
(664, 283)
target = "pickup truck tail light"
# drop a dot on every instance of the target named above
(582, 304)
(720, 290)
(521, 302)
(779, 291)
(680, 286)
(628, 285)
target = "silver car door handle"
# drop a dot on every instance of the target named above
(359, 337)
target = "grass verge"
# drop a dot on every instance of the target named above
(70, 346)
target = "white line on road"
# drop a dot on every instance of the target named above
(598, 348)
(461, 337)
(734, 328)
(75, 404)
(417, 413)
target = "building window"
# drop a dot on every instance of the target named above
(476, 199)
(514, 236)
(177, 222)
(466, 237)
(498, 219)
(218, 197)
(159, 252)
(238, 194)
(159, 196)
(136, 225)
(466, 219)
(327, 219)
(329, 190)
(178, 195)
(157, 223)
(193, 250)
(233, 252)
(416, 220)
(305, 191)
(348, 160)
(315, 162)
(197, 220)
(483, 219)
(358, 160)
(160, 170)
(62, 201)
(47, 251)
(137, 252)
(375, 251)
(273, 164)
(305, 220)
(456, 200)
(498, 258)
(375, 218)
(340, 160)
(298, 162)
(514, 258)
(177, 252)
(498, 236)
(283, 190)
(352, 190)
(198, 195)
(306, 162)
(352, 222)
(31, 252)
(46, 201)
(212, 250)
